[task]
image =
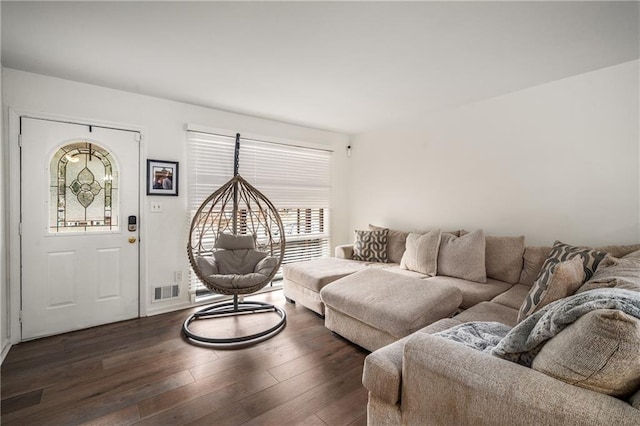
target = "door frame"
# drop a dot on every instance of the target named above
(14, 273)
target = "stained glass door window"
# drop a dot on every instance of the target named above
(84, 189)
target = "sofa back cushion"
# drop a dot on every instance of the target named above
(504, 258)
(463, 257)
(608, 361)
(396, 243)
(532, 261)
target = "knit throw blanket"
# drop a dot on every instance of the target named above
(523, 342)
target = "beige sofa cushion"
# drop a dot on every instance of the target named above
(620, 250)
(632, 255)
(390, 302)
(561, 280)
(619, 273)
(533, 259)
(315, 274)
(503, 258)
(513, 297)
(371, 246)
(607, 362)
(635, 400)
(489, 311)
(463, 257)
(421, 254)
(395, 244)
(472, 292)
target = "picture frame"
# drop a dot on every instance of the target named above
(162, 177)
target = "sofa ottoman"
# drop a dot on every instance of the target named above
(374, 307)
(303, 280)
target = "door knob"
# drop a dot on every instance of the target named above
(132, 240)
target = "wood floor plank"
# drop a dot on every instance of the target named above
(343, 412)
(226, 396)
(360, 421)
(277, 395)
(22, 401)
(98, 405)
(300, 407)
(107, 383)
(124, 417)
(144, 372)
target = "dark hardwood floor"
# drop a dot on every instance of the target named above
(143, 372)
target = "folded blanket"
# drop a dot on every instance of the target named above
(479, 335)
(526, 339)
(523, 342)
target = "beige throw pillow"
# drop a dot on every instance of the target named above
(600, 352)
(463, 257)
(619, 273)
(563, 280)
(421, 254)
(396, 243)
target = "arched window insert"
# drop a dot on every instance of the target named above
(84, 189)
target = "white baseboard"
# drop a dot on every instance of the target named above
(151, 311)
(5, 351)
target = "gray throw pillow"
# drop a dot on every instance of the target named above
(421, 254)
(396, 243)
(463, 257)
(371, 246)
(560, 252)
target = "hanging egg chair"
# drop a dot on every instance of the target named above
(236, 245)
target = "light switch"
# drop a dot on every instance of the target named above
(156, 207)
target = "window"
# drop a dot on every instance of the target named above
(83, 189)
(296, 180)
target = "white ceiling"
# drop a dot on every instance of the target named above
(348, 67)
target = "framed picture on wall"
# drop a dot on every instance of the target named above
(162, 177)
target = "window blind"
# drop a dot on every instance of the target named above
(296, 180)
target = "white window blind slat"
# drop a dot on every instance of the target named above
(296, 180)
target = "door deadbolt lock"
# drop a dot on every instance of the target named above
(132, 240)
(133, 224)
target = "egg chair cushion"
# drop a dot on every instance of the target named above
(237, 281)
(207, 265)
(237, 262)
(235, 242)
(266, 266)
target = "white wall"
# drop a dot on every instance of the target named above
(164, 235)
(557, 161)
(4, 331)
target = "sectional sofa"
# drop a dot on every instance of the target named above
(414, 377)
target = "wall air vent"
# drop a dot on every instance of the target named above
(166, 292)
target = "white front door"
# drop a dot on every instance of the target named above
(79, 186)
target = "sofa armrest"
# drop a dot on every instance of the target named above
(344, 251)
(446, 383)
(382, 373)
